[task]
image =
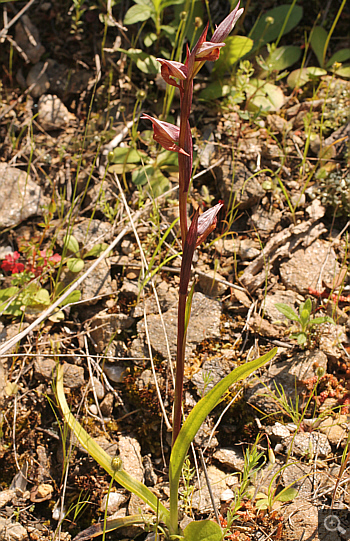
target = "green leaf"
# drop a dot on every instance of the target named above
(146, 63)
(263, 32)
(236, 47)
(112, 524)
(137, 14)
(121, 168)
(215, 90)
(340, 56)
(159, 183)
(203, 530)
(71, 243)
(283, 57)
(305, 306)
(262, 504)
(126, 155)
(75, 264)
(302, 76)
(104, 459)
(319, 320)
(57, 316)
(141, 176)
(287, 311)
(14, 309)
(75, 296)
(318, 41)
(344, 71)
(301, 338)
(97, 250)
(41, 297)
(286, 495)
(150, 38)
(199, 414)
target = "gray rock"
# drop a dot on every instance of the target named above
(25, 31)
(111, 447)
(38, 76)
(231, 458)
(21, 198)
(12, 531)
(73, 376)
(107, 404)
(130, 453)
(6, 497)
(290, 298)
(105, 327)
(45, 370)
(244, 190)
(305, 267)
(99, 388)
(130, 289)
(201, 498)
(289, 375)
(312, 444)
(52, 113)
(277, 123)
(265, 222)
(98, 283)
(249, 249)
(150, 475)
(127, 247)
(209, 285)
(227, 246)
(210, 373)
(277, 432)
(205, 437)
(90, 232)
(115, 372)
(204, 324)
(113, 501)
(336, 429)
(303, 522)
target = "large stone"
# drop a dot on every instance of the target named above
(52, 113)
(204, 324)
(238, 185)
(37, 76)
(27, 37)
(309, 445)
(201, 499)
(307, 266)
(290, 298)
(105, 328)
(130, 453)
(210, 285)
(21, 198)
(288, 375)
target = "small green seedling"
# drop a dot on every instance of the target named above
(304, 319)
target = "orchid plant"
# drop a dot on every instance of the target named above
(176, 139)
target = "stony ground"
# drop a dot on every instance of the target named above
(282, 237)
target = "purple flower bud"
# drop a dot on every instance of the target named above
(166, 134)
(171, 70)
(207, 223)
(227, 25)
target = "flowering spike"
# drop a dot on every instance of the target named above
(171, 70)
(227, 25)
(207, 223)
(166, 134)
